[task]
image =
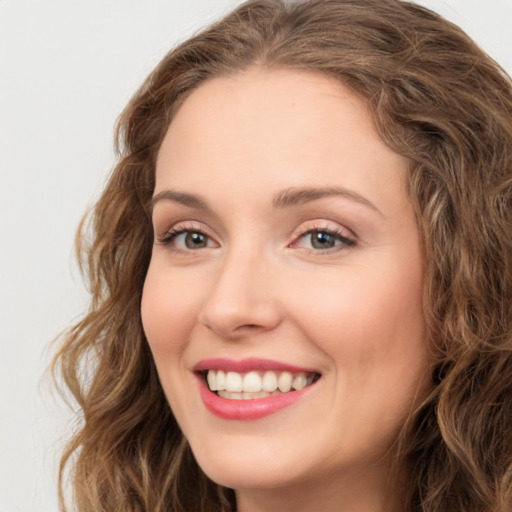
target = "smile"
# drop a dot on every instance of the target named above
(252, 388)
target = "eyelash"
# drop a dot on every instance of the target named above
(167, 238)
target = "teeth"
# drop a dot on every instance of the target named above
(251, 382)
(233, 382)
(212, 381)
(243, 396)
(221, 380)
(284, 382)
(255, 384)
(299, 382)
(269, 383)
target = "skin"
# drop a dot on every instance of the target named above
(260, 288)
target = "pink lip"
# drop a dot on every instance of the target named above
(247, 409)
(246, 365)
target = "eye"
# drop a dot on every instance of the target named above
(324, 239)
(191, 240)
(187, 239)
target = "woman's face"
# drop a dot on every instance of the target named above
(286, 253)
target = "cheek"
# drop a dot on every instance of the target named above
(168, 311)
(368, 320)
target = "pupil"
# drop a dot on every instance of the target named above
(195, 240)
(322, 241)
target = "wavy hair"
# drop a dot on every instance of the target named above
(435, 98)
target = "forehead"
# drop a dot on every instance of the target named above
(284, 104)
(285, 128)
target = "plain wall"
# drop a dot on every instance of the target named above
(67, 68)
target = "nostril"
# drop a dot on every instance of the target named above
(247, 327)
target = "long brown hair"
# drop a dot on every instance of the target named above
(437, 99)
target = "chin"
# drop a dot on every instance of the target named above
(250, 469)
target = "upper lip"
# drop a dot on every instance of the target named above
(247, 365)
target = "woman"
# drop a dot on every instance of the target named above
(301, 273)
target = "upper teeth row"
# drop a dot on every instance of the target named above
(254, 381)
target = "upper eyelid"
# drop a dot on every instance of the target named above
(182, 225)
(324, 225)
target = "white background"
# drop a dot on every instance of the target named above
(67, 68)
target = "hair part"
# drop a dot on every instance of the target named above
(435, 98)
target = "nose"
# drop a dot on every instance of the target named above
(243, 299)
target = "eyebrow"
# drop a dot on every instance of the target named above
(287, 198)
(296, 196)
(190, 200)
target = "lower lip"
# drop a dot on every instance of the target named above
(251, 409)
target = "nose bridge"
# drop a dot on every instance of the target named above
(243, 297)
